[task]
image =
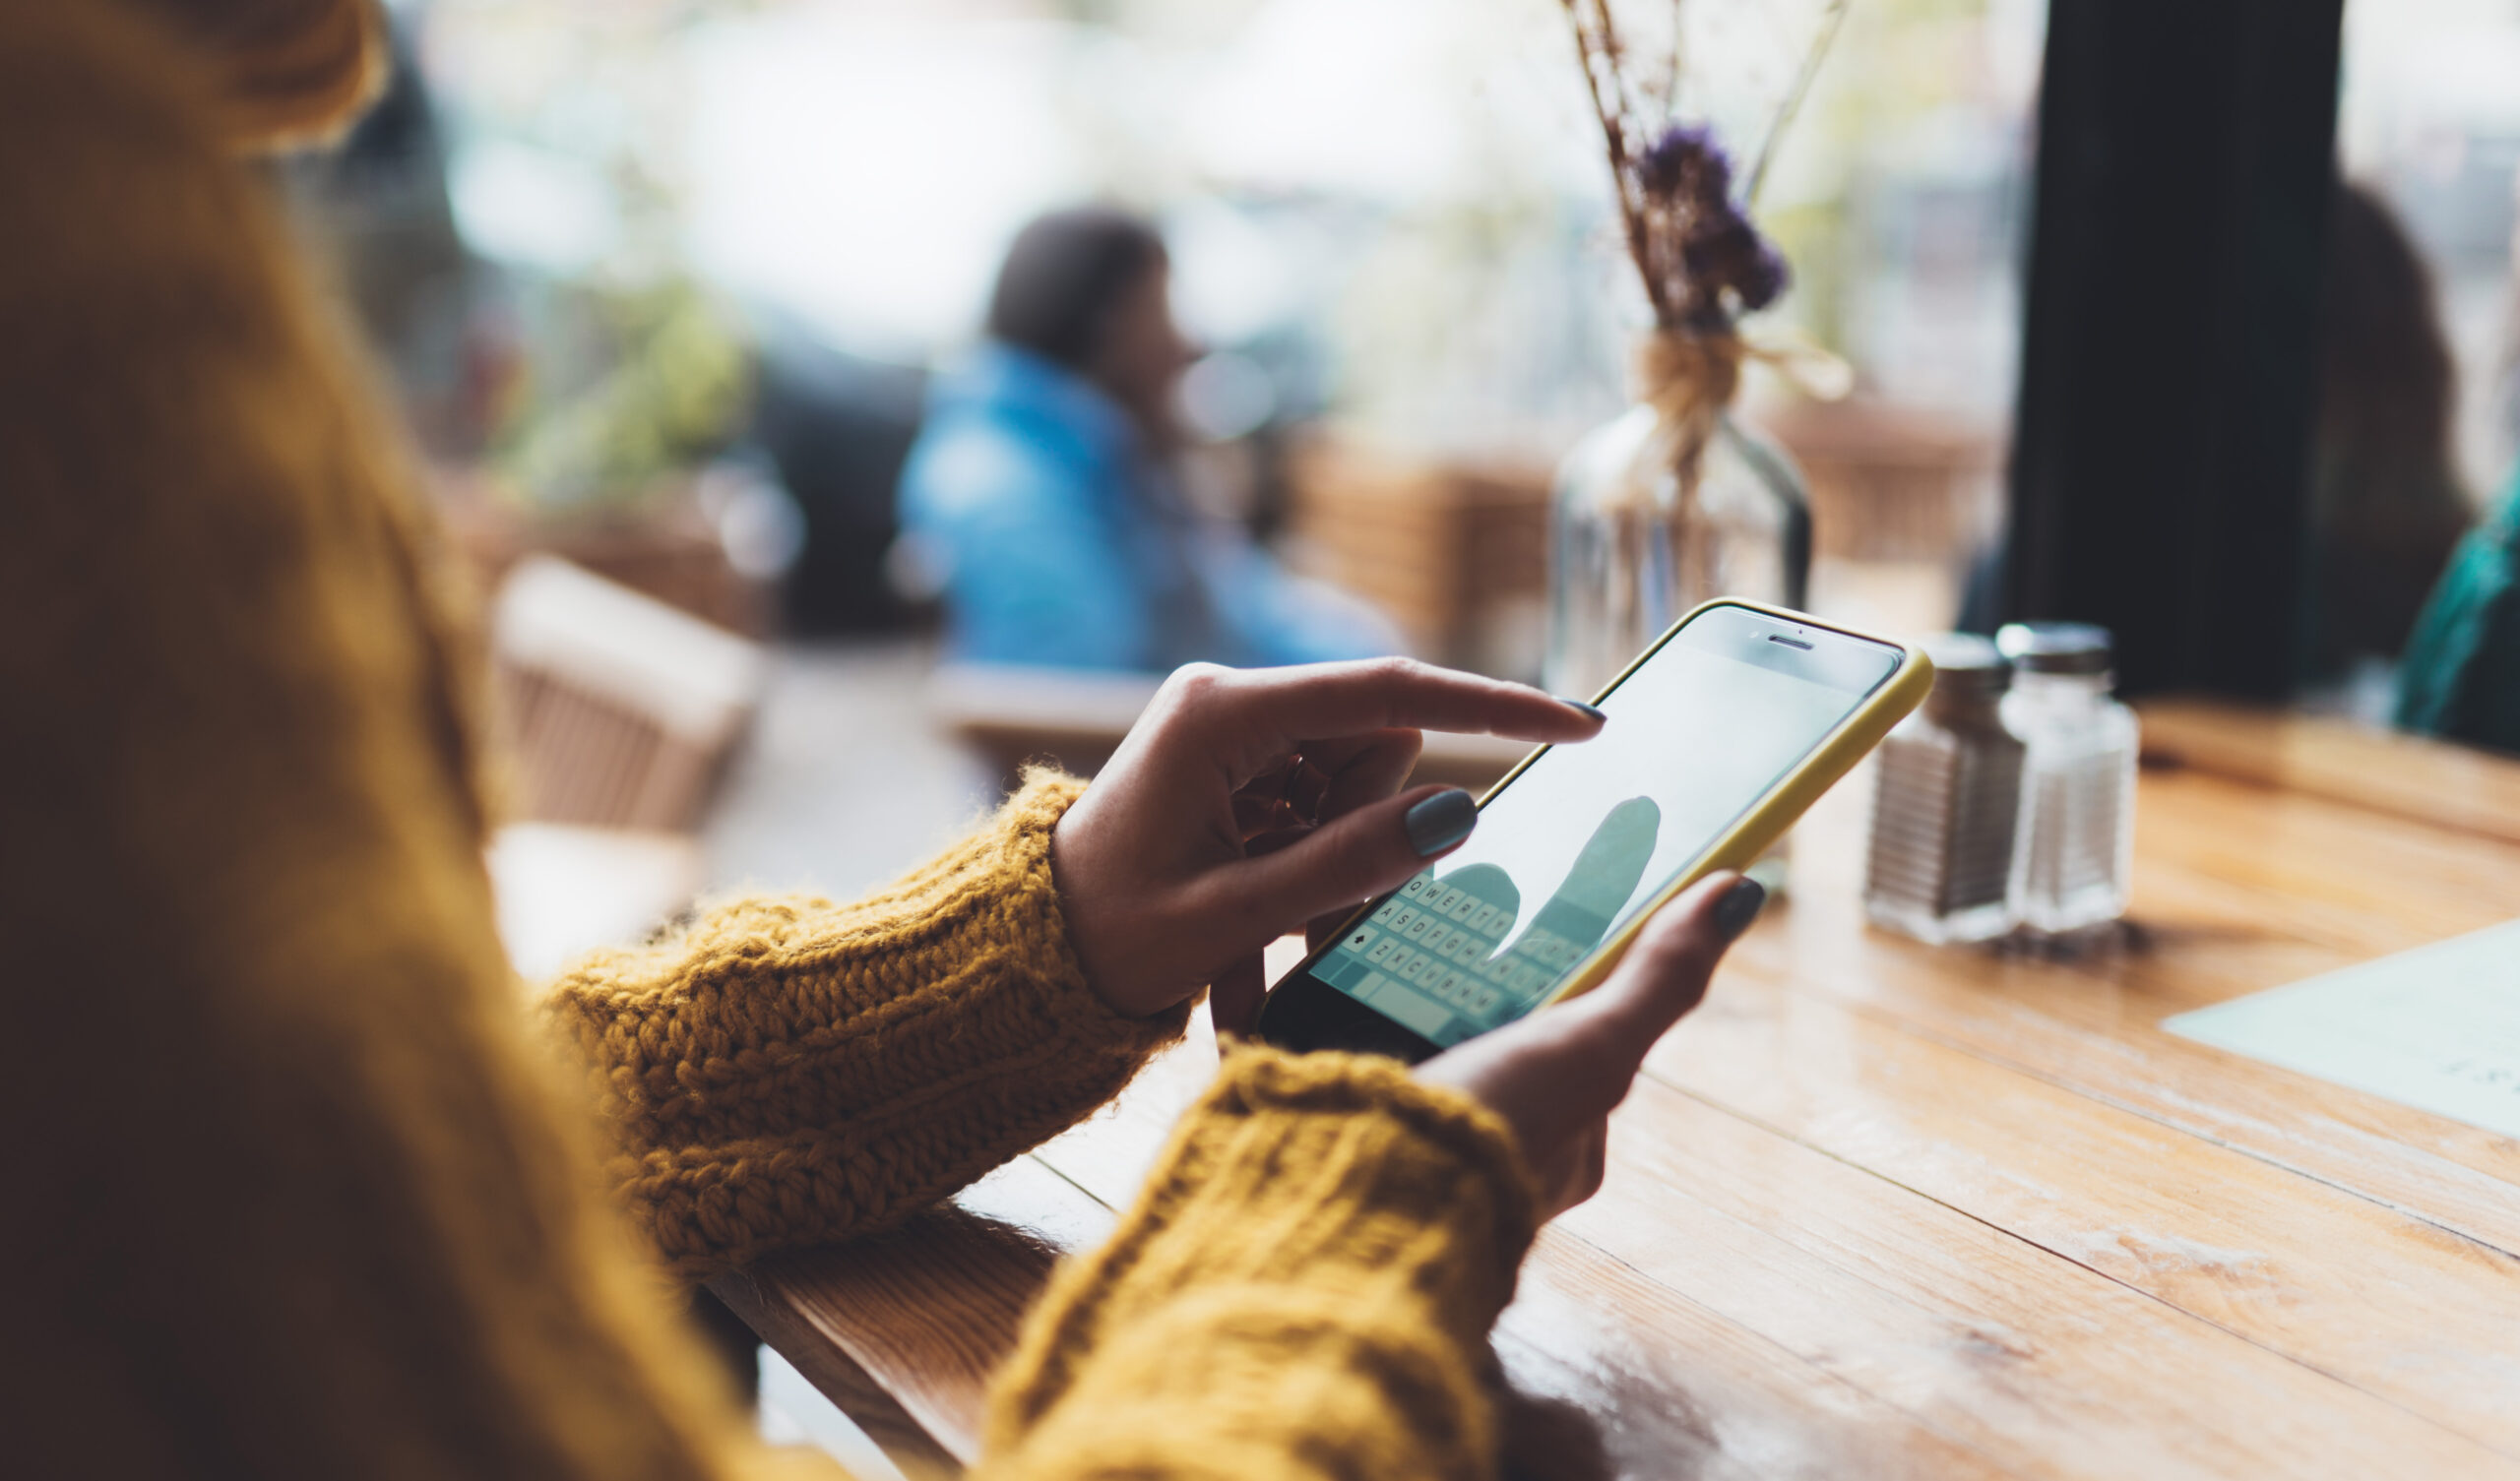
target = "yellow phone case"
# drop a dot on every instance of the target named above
(1757, 830)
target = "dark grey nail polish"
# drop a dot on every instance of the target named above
(1579, 707)
(1739, 906)
(1441, 822)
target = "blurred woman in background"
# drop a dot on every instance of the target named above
(1044, 490)
(2385, 501)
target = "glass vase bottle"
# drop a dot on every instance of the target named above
(1640, 533)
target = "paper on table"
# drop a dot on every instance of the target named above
(2436, 1028)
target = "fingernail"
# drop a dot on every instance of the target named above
(1588, 711)
(1441, 822)
(1739, 906)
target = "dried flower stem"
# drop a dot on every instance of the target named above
(1701, 260)
(1679, 57)
(1599, 53)
(1830, 19)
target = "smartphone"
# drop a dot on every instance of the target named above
(1719, 735)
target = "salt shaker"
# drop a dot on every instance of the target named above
(1946, 808)
(2075, 848)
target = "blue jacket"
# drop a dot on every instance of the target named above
(1062, 544)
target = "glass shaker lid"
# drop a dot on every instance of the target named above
(1966, 662)
(2055, 648)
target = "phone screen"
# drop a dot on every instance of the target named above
(1587, 835)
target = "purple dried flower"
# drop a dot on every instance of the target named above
(1766, 281)
(1685, 166)
(1713, 251)
(1725, 251)
(1701, 258)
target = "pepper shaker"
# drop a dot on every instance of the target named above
(1946, 808)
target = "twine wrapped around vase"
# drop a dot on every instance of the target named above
(1689, 378)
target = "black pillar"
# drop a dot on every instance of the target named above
(2162, 444)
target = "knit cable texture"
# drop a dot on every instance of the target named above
(1301, 1289)
(791, 1072)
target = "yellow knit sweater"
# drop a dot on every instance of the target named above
(295, 1192)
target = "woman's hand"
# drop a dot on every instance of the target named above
(1246, 803)
(1556, 1076)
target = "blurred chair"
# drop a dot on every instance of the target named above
(666, 543)
(1892, 484)
(616, 710)
(1458, 554)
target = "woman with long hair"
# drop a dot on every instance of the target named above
(299, 1185)
(2385, 502)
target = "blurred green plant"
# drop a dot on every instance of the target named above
(672, 382)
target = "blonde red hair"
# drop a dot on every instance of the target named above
(284, 72)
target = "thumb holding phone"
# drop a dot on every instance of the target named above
(1555, 1076)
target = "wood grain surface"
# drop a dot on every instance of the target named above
(2411, 775)
(1879, 1210)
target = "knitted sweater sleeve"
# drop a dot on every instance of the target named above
(1301, 1290)
(789, 1072)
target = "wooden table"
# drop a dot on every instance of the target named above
(1014, 714)
(563, 890)
(1878, 1209)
